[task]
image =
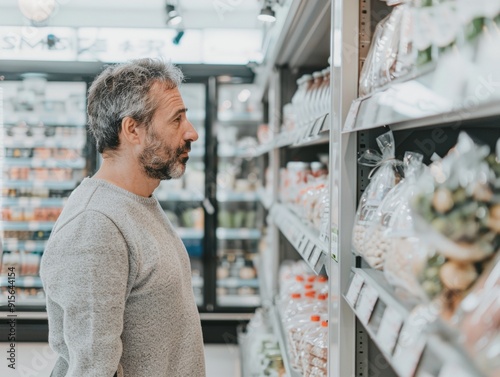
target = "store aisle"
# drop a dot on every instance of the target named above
(37, 360)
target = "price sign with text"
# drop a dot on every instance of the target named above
(389, 329)
(364, 309)
(354, 289)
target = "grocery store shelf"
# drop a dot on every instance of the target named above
(26, 225)
(303, 238)
(38, 315)
(46, 142)
(197, 281)
(316, 132)
(237, 283)
(232, 196)
(265, 197)
(32, 202)
(179, 196)
(13, 244)
(78, 163)
(280, 334)
(227, 117)
(48, 120)
(232, 151)
(190, 233)
(237, 234)
(420, 99)
(26, 302)
(237, 300)
(411, 347)
(53, 185)
(22, 282)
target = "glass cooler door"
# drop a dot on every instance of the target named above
(43, 157)
(237, 233)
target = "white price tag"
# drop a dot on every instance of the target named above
(316, 254)
(303, 245)
(34, 225)
(30, 245)
(36, 202)
(23, 202)
(37, 163)
(350, 120)
(308, 250)
(354, 289)
(364, 309)
(29, 281)
(409, 350)
(38, 184)
(11, 244)
(388, 330)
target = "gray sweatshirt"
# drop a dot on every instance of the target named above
(118, 284)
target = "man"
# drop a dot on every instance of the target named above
(116, 275)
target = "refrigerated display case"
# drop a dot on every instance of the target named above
(44, 157)
(238, 232)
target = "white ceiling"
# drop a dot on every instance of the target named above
(198, 14)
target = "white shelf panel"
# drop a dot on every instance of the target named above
(280, 334)
(231, 196)
(237, 283)
(25, 301)
(27, 225)
(54, 185)
(46, 142)
(266, 198)
(238, 234)
(316, 132)
(78, 163)
(23, 282)
(431, 95)
(14, 244)
(237, 300)
(179, 196)
(48, 120)
(33, 202)
(401, 341)
(303, 238)
(228, 117)
(190, 233)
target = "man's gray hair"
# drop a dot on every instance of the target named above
(123, 90)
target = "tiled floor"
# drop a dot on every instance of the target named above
(37, 359)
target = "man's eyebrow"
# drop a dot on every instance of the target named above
(179, 112)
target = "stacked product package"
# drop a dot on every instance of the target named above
(304, 312)
(435, 232)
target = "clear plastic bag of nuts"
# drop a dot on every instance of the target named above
(386, 173)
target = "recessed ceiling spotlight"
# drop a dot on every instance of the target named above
(267, 14)
(173, 16)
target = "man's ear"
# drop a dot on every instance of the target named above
(131, 133)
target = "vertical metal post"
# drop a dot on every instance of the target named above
(344, 87)
(274, 162)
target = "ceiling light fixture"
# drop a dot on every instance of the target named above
(173, 16)
(267, 14)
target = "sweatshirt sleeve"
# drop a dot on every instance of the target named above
(84, 271)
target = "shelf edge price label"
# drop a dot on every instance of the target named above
(308, 250)
(367, 303)
(350, 121)
(409, 350)
(315, 255)
(354, 289)
(389, 329)
(303, 245)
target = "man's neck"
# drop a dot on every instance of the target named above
(127, 176)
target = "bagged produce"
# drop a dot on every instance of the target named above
(405, 252)
(386, 174)
(457, 211)
(478, 318)
(376, 243)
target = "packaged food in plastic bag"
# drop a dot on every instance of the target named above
(478, 318)
(457, 213)
(381, 62)
(386, 174)
(377, 243)
(405, 252)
